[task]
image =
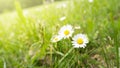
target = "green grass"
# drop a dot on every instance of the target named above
(25, 35)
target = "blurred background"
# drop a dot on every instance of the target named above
(8, 5)
(26, 28)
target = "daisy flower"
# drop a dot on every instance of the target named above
(56, 38)
(66, 31)
(80, 41)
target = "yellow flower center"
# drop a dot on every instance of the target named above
(66, 32)
(80, 41)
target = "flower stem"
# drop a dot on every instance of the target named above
(65, 55)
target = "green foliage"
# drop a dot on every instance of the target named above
(25, 35)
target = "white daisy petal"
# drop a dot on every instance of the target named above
(76, 46)
(80, 41)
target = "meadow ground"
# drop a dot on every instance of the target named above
(25, 35)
